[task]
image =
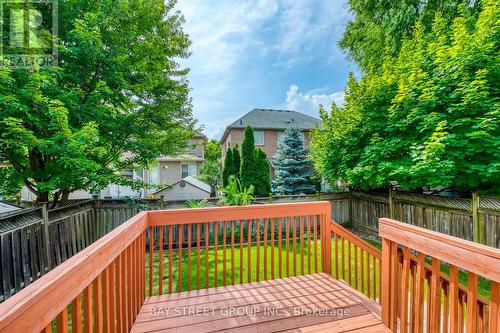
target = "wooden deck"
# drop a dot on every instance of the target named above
(309, 303)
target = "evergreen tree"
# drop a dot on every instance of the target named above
(247, 170)
(237, 161)
(292, 167)
(228, 167)
(262, 177)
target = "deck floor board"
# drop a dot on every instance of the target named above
(309, 303)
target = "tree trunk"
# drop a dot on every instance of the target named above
(42, 197)
(64, 197)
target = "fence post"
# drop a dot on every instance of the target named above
(46, 236)
(477, 230)
(162, 202)
(270, 197)
(96, 219)
(349, 211)
(391, 202)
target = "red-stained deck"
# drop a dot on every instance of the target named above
(266, 306)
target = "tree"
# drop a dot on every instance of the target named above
(262, 178)
(293, 169)
(213, 151)
(210, 172)
(248, 168)
(378, 27)
(118, 99)
(429, 117)
(228, 167)
(237, 161)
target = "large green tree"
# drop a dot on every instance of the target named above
(378, 27)
(248, 167)
(292, 167)
(228, 169)
(210, 171)
(262, 178)
(118, 99)
(237, 161)
(428, 117)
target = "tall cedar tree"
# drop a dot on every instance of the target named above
(262, 177)
(237, 161)
(116, 101)
(228, 167)
(248, 167)
(293, 169)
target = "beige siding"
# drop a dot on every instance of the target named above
(183, 193)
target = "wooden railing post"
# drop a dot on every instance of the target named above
(389, 284)
(326, 241)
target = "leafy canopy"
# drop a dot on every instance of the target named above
(429, 117)
(118, 99)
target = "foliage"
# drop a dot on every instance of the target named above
(248, 168)
(228, 167)
(213, 151)
(378, 26)
(234, 194)
(293, 169)
(192, 203)
(237, 161)
(429, 117)
(118, 99)
(210, 171)
(262, 178)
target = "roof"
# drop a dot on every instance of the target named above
(185, 157)
(7, 207)
(192, 181)
(273, 119)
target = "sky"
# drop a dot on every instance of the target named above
(279, 54)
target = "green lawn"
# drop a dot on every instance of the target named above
(483, 284)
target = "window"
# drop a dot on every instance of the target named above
(258, 137)
(188, 169)
(185, 170)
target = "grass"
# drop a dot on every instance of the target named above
(483, 284)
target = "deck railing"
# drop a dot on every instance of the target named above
(103, 287)
(417, 295)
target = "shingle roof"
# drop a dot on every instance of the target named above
(274, 119)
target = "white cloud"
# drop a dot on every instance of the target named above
(309, 102)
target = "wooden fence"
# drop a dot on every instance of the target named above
(476, 219)
(35, 240)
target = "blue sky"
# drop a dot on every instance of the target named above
(263, 54)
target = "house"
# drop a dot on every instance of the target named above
(169, 170)
(268, 126)
(185, 189)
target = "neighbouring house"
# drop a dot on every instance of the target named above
(268, 126)
(167, 171)
(185, 189)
